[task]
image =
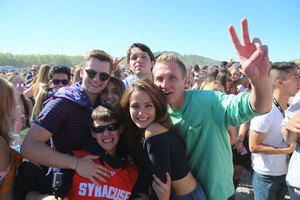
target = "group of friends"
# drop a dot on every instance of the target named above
(109, 142)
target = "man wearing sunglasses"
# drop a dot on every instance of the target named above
(65, 119)
(59, 76)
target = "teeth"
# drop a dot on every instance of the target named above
(167, 92)
(142, 119)
(110, 140)
(108, 102)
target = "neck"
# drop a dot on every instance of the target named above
(92, 97)
(179, 103)
(281, 98)
(143, 76)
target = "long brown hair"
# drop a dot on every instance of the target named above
(7, 108)
(42, 77)
(132, 133)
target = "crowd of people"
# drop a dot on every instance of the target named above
(159, 131)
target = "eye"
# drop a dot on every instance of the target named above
(148, 105)
(134, 106)
(144, 56)
(172, 78)
(133, 58)
(159, 79)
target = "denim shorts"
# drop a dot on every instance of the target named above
(294, 193)
(196, 194)
(268, 187)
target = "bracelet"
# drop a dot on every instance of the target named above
(76, 163)
(240, 141)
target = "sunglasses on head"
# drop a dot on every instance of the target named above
(92, 74)
(57, 81)
(101, 129)
(19, 84)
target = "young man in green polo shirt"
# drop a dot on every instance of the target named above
(203, 117)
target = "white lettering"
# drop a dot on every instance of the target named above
(104, 191)
(98, 191)
(127, 195)
(82, 189)
(122, 194)
(117, 192)
(111, 189)
(91, 188)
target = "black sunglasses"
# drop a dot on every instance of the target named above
(101, 129)
(57, 81)
(92, 74)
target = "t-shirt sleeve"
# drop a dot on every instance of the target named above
(261, 123)
(160, 157)
(53, 114)
(237, 108)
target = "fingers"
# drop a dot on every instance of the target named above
(103, 171)
(93, 180)
(245, 31)
(266, 52)
(234, 37)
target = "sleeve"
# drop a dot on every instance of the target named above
(53, 115)
(262, 123)
(158, 151)
(292, 109)
(237, 108)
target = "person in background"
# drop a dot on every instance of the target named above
(140, 60)
(111, 95)
(290, 131)
(10, 160)
(269, 151)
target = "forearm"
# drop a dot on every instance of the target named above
(42, 154)
(289, 136)
(266, 149)
(243, 131)
(261, 95)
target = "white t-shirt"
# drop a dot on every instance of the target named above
(270, 164)
(293, 175)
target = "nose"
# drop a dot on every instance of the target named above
(141, 111)
(106, 132)
(163, 83)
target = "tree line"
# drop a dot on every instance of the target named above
(26, 61)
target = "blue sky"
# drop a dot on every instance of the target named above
(74, 27)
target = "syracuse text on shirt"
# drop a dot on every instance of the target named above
(109, 192)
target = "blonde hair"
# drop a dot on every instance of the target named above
(210, 85)
(171, 58)
(42, 77)
(7, 108)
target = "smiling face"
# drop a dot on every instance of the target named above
(108, 140)
(93, 86)
(141, 108)
(110, 96)
(140, 62)
(169, 78)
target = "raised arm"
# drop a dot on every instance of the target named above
(254, 59)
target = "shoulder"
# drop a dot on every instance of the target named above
(155, 129)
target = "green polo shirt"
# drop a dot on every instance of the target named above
(203, 123)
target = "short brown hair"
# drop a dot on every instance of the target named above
(99, 55)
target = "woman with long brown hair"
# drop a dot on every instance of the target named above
(155, 135)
